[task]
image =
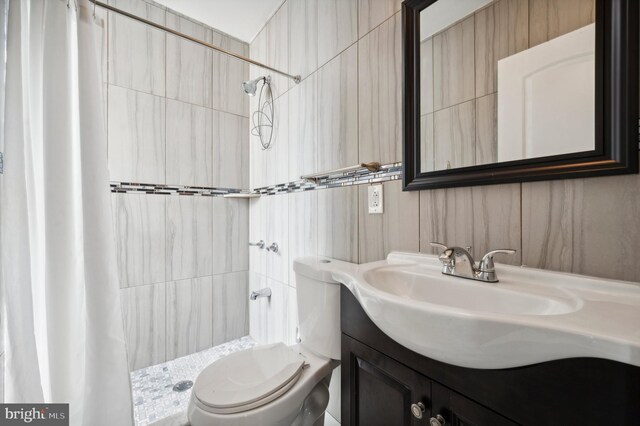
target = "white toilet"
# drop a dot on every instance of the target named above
(278, 385)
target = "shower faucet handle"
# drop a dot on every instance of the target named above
(260, 244)
(273, 247)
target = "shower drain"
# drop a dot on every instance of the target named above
(182, 385)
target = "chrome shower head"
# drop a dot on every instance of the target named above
(250, 86)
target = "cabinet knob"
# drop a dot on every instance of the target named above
(438, 420)
(417, 410)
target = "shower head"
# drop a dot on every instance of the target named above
(250, 86)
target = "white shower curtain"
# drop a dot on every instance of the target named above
(64, 339)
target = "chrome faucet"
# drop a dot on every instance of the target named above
(458, 262)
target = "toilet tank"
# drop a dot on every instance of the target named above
(318, 297)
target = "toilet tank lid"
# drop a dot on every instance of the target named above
(315, 267)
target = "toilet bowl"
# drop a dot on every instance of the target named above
(278, 385)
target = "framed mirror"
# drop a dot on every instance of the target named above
(499, 91)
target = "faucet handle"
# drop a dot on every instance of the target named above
(486, 264)
(441, 246)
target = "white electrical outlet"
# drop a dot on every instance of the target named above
(375, 199)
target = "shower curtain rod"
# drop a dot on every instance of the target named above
(295, 78)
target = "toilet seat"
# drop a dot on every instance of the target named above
(248, 379)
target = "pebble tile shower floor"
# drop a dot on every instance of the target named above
(153, 394)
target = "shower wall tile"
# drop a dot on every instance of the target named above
(502, 30)
(486, 129)
(143, 313)
(230, 43)
(189, 316)
(397, 229)
(380, 93)
(230, 150)
(372, 13)
(139, 225)
(303, 37)
(230, 306)
(453, 65)
(101, 41)
(337, 27)
(584, 226)
(276, 158)
(303, 128)
(189, 144)
(189, 65)
(338, 111)
(552, 18)
(277, 231)
(136, 136)
(189, 237)
(338, 223)
(268, 317)
(257, 232)
(230, 235)
(137, 51)
(228, 75)
(484, 217)
(277, 55)
(455, 136)
(2, 378)
(303, 228)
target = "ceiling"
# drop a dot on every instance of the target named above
(239, 18)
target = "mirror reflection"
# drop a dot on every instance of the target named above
(505, 80)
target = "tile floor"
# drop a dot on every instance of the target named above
(153, 395)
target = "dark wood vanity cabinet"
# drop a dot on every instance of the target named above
(381, 380)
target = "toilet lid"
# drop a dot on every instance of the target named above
(249, 378)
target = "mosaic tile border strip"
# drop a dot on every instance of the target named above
(361, 176)
(146, 188)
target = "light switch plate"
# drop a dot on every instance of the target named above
(375, 199)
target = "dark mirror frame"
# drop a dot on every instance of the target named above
(616, 120)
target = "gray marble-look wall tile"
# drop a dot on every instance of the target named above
(337, 27)
(502, 29)
(189, 144)
(137, 51)
(230, 235)
(275, 168)
(2, 377)
(277, 231)
(189, 316)
(396, 229)
(303, 36)
(139, 226)
(303, 228)
(257, 232)
(372, 13)
(143, 313)
(303, 128)
(230, 43)
(268, 317)
(338, 112)
(277, 43)
(583, 226)
(189, 237)
(380, 93)
(455, 136)
(230, 306)
(136, 136)
(230, 150)
(552, 18)
(454, 65)
(229, 73)
(486, 129)
(427, 154)
(426, 76)
(189, 65)
(484, 217)
(338, 223)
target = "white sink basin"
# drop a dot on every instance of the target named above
(530, 316)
